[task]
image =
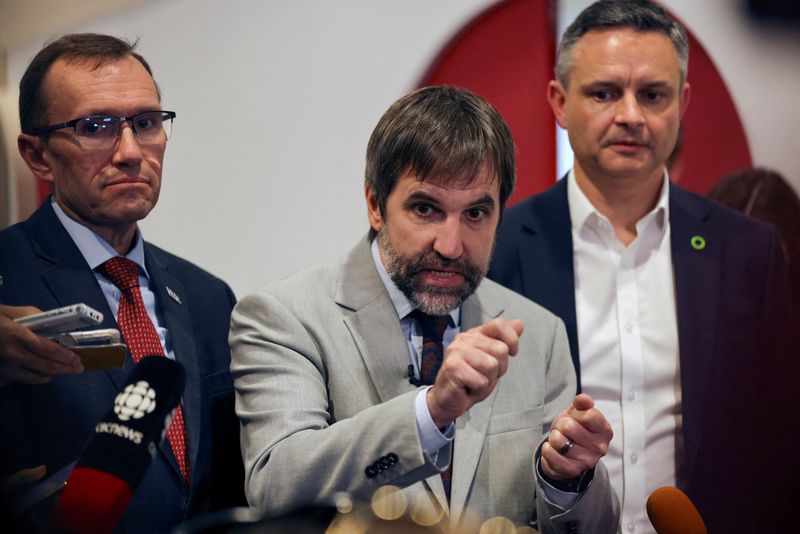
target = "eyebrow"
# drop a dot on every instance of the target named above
(608, 84)
(416, 196)
(664, 86)
(485, 200)
(94, 112)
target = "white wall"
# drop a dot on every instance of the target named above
(761, 66)
(276, 101)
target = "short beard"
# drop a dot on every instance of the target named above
(433, 300)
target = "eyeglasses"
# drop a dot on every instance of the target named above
(100, 132)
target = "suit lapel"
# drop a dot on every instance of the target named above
(470, 427)
(373, 323)
(67, 275)
(170, 297)
(697, 297)
(377, 333)
(376, 330)
(545, 254)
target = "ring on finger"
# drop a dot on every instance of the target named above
(564, 450)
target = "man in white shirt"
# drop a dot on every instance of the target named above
(328, 363)
(675, 308)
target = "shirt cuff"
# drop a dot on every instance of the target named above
(563, 499)
(430, 437)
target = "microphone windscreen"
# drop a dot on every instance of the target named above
(671, 512)
(122, 447)
(126, 439)
(92, 502)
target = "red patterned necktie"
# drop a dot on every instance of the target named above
(142, 339)
(433, 327)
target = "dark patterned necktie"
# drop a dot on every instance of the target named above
(433, 327)
(142, 339)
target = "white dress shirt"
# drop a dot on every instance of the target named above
(97, 251)
(628, 344)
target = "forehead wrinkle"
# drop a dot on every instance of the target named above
(118, 93)
(611, 57)
(465, 179)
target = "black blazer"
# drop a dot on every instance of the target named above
(50, 424)
(737, 363)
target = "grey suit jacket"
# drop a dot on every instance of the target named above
(320, 368)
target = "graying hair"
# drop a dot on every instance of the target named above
(640, 15)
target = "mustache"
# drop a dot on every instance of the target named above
(433, 261)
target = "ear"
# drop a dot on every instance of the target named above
(557, 97)
(32, 148)
(373, 210)
(684, 98)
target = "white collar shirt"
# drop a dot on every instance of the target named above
(628, 344)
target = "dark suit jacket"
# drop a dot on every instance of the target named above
(734, 321)
(50, 424)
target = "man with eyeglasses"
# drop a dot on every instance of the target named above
(93, 127)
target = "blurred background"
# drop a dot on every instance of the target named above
(276, 101)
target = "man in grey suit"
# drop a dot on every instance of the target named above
(327, 364)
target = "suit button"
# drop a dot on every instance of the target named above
(370, 472)
(392, 458)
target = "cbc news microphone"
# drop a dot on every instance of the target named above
(121, 449)
(672, 512)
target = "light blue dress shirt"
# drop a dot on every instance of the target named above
(97, 251)
(430, 437)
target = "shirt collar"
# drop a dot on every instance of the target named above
(582, 211)
(401, 303)
(94, 248)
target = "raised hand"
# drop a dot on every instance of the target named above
(473, 363)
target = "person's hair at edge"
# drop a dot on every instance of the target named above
(440, 133)
(763, 194)
(640, 15)
(91, 49)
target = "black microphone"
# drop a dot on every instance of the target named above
(671, 512)
(412, 379)
(121, 449)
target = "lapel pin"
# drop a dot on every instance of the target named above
(698, 242)
(174, 296)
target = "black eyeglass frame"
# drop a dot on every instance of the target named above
(44, 130)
